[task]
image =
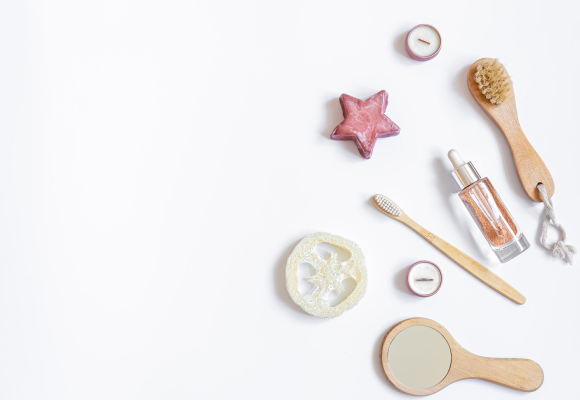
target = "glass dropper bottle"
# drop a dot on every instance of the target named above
(488, 210)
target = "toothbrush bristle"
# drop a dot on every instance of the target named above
(387, 205)
(493, 81)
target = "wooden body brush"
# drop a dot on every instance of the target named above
(491, 87)
(388, 207)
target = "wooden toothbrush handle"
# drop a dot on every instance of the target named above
(515, 373)
(467, 263)
(531, 169)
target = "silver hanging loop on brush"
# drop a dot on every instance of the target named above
(560, 248)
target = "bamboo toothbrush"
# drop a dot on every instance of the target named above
(388, 207)
(491, 87)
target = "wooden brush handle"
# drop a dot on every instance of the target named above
(466, 262)
(515, 373)
(531, 169)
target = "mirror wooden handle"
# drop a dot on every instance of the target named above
(516, 373)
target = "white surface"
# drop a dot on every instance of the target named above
(160, 159)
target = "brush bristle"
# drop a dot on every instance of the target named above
(493, 81)
(387, 205)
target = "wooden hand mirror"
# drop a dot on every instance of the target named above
(420, 357)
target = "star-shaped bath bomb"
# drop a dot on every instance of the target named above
(364, 122)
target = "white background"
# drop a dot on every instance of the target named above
(159, 160)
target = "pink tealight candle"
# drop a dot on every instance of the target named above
(424, 278)
(423, 42)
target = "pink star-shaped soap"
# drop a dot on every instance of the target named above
(364, 122)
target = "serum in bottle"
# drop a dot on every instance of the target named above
(488, 210)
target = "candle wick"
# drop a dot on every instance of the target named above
(424, 41)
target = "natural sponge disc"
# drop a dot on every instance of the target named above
(328, 276)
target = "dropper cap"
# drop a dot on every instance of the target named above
(464, 173)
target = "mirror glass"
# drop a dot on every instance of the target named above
(419, 357)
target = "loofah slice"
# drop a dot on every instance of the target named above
(493, 81)
(329, 275)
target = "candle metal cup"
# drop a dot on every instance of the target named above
(409, 278)
(417, 57)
